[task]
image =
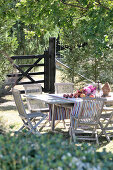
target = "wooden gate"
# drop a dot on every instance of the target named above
(48, 63)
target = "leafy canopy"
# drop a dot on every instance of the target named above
(26, 26)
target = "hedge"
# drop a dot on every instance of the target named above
(50, 152)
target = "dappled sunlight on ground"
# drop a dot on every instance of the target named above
(107, 146)
(9, 117)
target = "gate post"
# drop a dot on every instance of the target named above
(52, 54)
(46, 72)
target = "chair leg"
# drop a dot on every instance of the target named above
(20, 129)
(47, 121)
(70, 134)
(97, 141)
(33, 131)
(107, 137)
(57, 122)
(33, 128)
(103, 132)
(73, 136)
(64, 123)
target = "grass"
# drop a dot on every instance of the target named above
(8, 112)
(9, 118)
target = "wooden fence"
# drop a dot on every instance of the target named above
(47, 62)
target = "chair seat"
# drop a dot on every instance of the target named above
(107, 108)
(40, 110)
(37, 114)
(80, 131)
(88, 123)
(107, 115)
(34, 115)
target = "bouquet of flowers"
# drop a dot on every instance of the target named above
(89, 90)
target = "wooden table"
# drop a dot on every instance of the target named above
(54, 99)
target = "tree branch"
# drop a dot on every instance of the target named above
(74, 5)
(99, 3)
(81, 7)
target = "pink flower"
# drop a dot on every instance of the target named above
(87, 90)
(90, 86)
(92, 89)
(94, 92)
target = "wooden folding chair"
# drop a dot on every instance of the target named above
(30, 121)
(62, 111)
(106, 124)
(64, 87)
(85, 119)
(35, 105)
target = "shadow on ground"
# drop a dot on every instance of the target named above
(2, 100)
(7, 108)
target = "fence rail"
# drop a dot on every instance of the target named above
(48, 63)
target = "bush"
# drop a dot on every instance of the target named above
(49, 152)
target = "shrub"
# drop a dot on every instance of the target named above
(49, 152)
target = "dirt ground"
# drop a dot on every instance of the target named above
(10, 118)
(8, 112)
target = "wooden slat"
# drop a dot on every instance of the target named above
(83, 138)
(40, 81)
(109, 128)
(19, 74)
(27, 57)
(30, 65)
(46, 70)
(84, 131)
(24, 74)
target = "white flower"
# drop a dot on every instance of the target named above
(60, 168)
(83, 158)
(70, 164)
(63, 157)
(23, 157)
(69, 154)
(74, 159)
(1, 156)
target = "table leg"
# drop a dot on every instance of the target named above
(53, 117)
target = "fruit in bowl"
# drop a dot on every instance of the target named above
(83, 92)
(75, 95)
(92, 95)
(65, 95)
(82, 95)
(71, 95)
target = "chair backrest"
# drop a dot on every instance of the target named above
(19, 103)
(34, 89)
(64, 88)
(88, 110)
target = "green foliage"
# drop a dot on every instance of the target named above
(8, 44)
(49, 152)
(94, 60)
(25, 27)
